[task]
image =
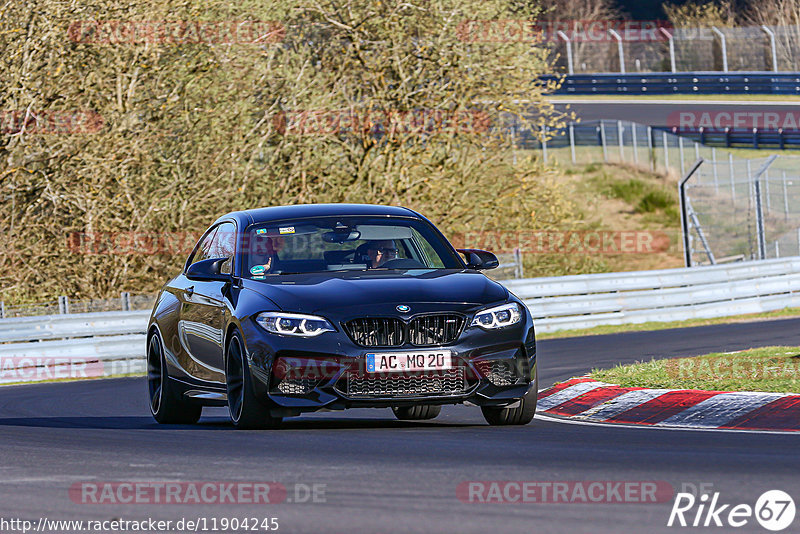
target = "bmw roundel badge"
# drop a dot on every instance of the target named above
(403, 308)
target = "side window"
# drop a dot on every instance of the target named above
(224, 245)
(431, 258)
(202, 252)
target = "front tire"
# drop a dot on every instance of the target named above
(244, 407)
(166, 403)
(417, 413)
(521, 415)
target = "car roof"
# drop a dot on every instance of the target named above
(261, 215)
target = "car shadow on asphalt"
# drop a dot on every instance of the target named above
(147, 423)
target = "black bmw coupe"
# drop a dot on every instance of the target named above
(286, 310)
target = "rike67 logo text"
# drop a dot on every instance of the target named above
(774, 510)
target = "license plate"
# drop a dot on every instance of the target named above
(389, 362)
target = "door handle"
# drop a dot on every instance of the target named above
(189, 291)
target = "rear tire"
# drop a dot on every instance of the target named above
(244, 407)
(417, 413)
(521, 415)
(166, 403)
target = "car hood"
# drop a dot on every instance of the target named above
(377, 290)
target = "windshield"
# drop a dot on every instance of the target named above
(337, 244)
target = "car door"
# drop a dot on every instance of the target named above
(202, 316)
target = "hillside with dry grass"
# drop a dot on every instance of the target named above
(146, 138)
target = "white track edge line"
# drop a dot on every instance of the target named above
(552, 419)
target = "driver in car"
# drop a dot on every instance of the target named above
(263, 257)
(379, 252)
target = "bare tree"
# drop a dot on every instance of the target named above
(390, 102)
(783, 16)
(578, 15)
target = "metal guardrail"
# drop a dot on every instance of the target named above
(64, 306)
(668, 83)
(587, 284)
(755, 138)
(72, 325)
(102, 344)
(585, 301)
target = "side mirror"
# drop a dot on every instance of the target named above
(208, 271)
(479, 259)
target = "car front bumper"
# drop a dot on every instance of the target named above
(295, 375)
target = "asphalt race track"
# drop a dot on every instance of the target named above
(382, 475)
(662, 112)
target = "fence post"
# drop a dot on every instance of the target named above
(671, 48)
(561, 34)
(684, 205)
(785, 197)
(766, 189)
(2, 310)
(635, 147)
(777, 249)
(724, 48)
(620, 133)
(666, 151)
(771, 35)
(714, 167)
(733, 185)
(651, 152)
(63, 304)
(680, 150)
(603, 140)
(617, 37)
(518, 271)
(544, 145)
(125, 299)
(762, 245)
(572, 142)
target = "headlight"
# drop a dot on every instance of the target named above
(293, 324)
(498, 317)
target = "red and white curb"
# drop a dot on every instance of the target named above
(591, 400)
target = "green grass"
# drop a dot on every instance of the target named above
(654, 201)
(770, 369)
(628, 190)
(622, 328)
(646, 197)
